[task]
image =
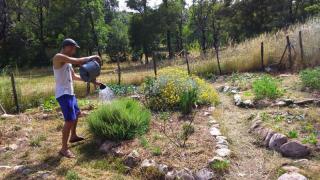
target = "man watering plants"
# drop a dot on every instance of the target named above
(64, 92)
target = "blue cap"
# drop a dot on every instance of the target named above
(69, 42)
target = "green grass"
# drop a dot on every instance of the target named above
(36, 141)
(266, 87)
(311, 139)
(72, 175)
(187, 101)
(220, 166)
(144, 142)
(292, 134)
(156, 151)
(122, 119)
(311, 78)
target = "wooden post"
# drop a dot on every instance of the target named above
(88, 89)
(262, 60)
(119, 71)
(154, 65)
(301, 48)
(186, 56)
(14, 92)
(290, 55)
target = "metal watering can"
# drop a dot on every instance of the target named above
(90, 70)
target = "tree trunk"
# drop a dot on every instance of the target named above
(94, 34)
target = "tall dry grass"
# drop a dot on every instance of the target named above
(246, 56)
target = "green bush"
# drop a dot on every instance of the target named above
(120, 120)
(187, 101)
(266, 87)
(311, 78)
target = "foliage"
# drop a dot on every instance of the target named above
(266, 87)
(72, 175)
(293, 134)
(311, 78)
(166, 91)
(311, 139)
(187, 131)
(122, 89)
(143, 142)
(49, 103)
(120, 120)
(156, 151)
(187, 101)
(220, 165)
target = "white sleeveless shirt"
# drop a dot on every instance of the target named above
(64, 82)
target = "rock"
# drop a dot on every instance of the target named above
(276, 141)
(221, 146)
(107, 146)
(234, 91)
(206, 113)
(280, 104)
(268, 137)
(301, 162)
(148, 163)
(163, 168)
(262, 132)
(288, 102)
(7, 116)
(223, 152)
(255, 125)
(135, 96)
(12, 147)
(44, 116)
(263, 103)
(204, 174)
(26, 171)
(226, 89)
(222, 142)
(214, 159)
(290, 168)
(211, 108)
(43, 174)
(292, 176)
(294, 149)
(132, 159)
(304, 102)
(237, 99)
(18, 168)
(220, 88)
(184, 174)
(215, 131)
(247, 104)
(219, 138)
(171, 175)
(3, 168)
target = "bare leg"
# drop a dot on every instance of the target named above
(65, 136)
(74, 130)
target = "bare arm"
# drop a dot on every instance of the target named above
(61, 58)
(75, 76)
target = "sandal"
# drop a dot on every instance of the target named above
(67, 154)
(77, 139)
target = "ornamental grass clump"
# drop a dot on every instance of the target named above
(266, 87)
(311, 78)
(166, 91)
(122, 119)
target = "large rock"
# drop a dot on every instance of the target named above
(223, 152)
(276, 141)
(204, 174)
(184, 174)
(215, 131)
(294, 149)
(148, 163)
(292, 176)
(132, 159)
(268, 137)
(237, 99)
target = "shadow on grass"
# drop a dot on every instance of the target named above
(50, 163)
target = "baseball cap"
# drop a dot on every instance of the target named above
(70, 42)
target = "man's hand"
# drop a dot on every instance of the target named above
(97, 58)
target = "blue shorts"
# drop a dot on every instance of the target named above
(69, 107)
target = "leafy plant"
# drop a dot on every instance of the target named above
(49, 103)
(122, 89)
(311, 78)
(187, 101)
(122, 119)
(72, 175)
(156, 151)
(220, 166)
(292, 134)
(311, 139)
(266, 87)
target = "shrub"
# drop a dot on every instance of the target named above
(266, 87)
(166, 91)
(120, 120)
(187, 100)
(311, 78)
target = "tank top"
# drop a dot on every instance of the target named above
(64, 82)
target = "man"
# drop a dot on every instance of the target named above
(64, 76)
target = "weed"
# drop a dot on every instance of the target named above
(310, 78)
(72, 175)
(49, 103)
(156, 151)
(156, 137)
(292, 134)
(311, 139)
(143, 142)
(266, 87)
(120, 120)
(187, 131)
(36, 141)
(278, 118)
(220, 166)
(308, 128)
(265, 116)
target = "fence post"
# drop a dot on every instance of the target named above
(119, 71)
(262, 53)
(187, 60)
(218, 59)
(154, 59)
(14, 92)
(289, 50)
(301, 48)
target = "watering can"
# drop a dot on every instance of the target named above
(90, 70)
